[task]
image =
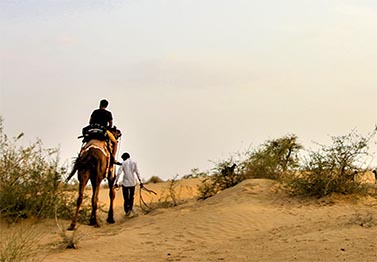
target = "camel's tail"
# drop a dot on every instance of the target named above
(74, 169)
(84, 161)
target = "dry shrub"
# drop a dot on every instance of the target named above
(363, 219)
(69, 240)
(331, 169)
(31, 181)
(225, 174)
(154, 180)
(172, 197)
(207, 189)
(20, 244)
(328, 170)
(169, 197)
(271, 160)
(196, 173)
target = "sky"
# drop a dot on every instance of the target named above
(190, 82)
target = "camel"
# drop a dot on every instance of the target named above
(94, 163)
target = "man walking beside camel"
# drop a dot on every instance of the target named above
(129, 169)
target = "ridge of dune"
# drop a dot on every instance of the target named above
(253, 221)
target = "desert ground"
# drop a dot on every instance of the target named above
(253, 221)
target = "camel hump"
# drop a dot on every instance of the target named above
(98, 144)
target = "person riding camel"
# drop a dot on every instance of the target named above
(104, 118)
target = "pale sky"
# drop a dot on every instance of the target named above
(189, 81)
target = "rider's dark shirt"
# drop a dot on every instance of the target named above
(102, 117)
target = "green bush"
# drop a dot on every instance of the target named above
(328, 170)
(225, 174)
(207, 189)
(30, 181)
(273, 158)
(331, 169)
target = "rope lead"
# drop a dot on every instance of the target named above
(143, 205)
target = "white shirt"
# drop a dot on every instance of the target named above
(129, 169)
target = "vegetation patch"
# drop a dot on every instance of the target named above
(20, 244)
(363, 219)
(330, 169)
(31, 181)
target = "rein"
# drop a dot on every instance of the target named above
(143, 205)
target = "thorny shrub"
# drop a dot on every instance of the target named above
(30, 181)
(331, 169)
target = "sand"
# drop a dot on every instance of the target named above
(253, 221)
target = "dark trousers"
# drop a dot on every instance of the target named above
(128, 196)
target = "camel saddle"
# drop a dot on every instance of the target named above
(93, 131)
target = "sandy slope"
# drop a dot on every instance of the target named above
(254, 221)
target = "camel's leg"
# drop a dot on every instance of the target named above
(110, 216)
(83, 181)
(95, 187)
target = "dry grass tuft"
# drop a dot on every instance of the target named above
(20, 244)
(363, 219)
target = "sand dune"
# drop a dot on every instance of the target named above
(254, 221)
